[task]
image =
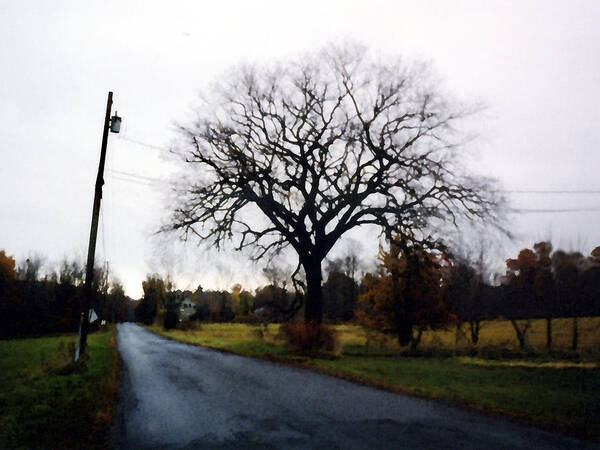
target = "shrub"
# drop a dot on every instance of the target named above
(308, 337)
(189, 325)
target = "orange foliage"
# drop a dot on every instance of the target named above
(7, 273)
(7, 266)
(406, 292)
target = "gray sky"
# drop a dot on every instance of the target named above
(536, 64)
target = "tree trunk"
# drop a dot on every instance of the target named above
(313, 308)
(521, 333)
(575, 334)
(458, 333)
(475, 327)
(549, 334)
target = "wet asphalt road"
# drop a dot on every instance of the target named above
(175, 395)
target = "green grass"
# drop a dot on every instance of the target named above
(46, 401)
(558, 391)
(551, 396)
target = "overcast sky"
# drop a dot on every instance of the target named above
(536, 64)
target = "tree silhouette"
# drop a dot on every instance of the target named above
(520, 278)
(567, 271)
(590, 284)
(155, 298)
(544, 287)
(339, 293)
(298, 155)
(464, 295)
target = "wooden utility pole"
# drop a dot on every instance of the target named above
(89, 271)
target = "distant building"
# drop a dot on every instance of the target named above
(187, 306)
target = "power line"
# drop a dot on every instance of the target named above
(135, 176)
(147, 181)
(508, 191)
(143, 144)
(548, 191)
(554, 210)
(131, 180)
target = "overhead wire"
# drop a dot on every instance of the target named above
(140, 182)
(135, 176)
(143, 144)
(547, 191)
(147, 181)
(553, 210)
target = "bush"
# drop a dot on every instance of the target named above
(189, 325)
(171, 319)
(308, 337)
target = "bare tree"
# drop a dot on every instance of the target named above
(319, 148)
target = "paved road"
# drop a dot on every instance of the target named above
(180, 396)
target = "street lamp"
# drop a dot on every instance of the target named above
(115, 123)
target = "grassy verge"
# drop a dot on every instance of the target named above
(46, 401)
(551, 392)
(552, 397)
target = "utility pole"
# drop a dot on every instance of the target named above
(114, 126)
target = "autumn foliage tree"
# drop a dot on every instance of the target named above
(520, 278)
(8, 275)
(546, 284)
(530, 281)
(8, 272)
(406, 295)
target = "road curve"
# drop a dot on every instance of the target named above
(175, 395)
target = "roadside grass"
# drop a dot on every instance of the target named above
(558, 391)
(547, 396)
(47, 401)
(239, 338)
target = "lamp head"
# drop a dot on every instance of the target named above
(115, 123)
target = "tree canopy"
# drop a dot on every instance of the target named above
(298, 154)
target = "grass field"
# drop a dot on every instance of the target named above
(46, 401)
(558, 391)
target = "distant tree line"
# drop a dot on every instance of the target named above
(413, 289)
(273, 302)
(32, 303)
(541, 283)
